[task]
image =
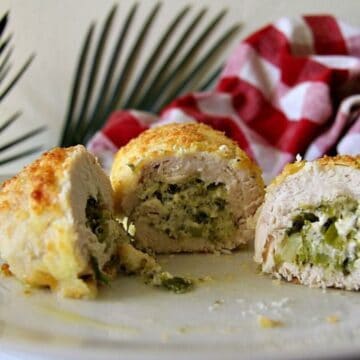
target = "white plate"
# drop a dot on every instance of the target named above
(130, 320)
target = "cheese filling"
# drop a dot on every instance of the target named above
(192, 209)
(100, 221)
(108, 233)
(327, 236)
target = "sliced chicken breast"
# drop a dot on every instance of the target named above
(308, 229)
(56, 224)
(186, 187)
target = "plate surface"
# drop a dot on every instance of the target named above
(219, 319)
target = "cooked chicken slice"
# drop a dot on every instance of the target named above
(186, 187)
(308, 229)
(57, 228)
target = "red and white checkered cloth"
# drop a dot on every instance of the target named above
(290, 88)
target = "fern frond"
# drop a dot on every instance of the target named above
(151, 86)
(6, 86)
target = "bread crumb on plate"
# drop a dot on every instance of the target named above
(332, 319)
(5, 270)
(267, 323)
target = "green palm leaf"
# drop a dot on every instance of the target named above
(16, 78)
(159, 76)
(183, 63)
(21, 138)
(103, 93)
(6, 85)
(160, 47)
(4, 44)
(76, 88)
(99, 52)
(3, 22)
(9, 121)
(4, 72)
(133, 57)
(209, 81)
(151, 86)
(20, 155)
(199, 68)
(18, 140)
(5, 62)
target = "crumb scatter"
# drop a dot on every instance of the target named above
(5, 270)
(332, 319)
(267, 323)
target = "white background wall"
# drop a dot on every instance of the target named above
(54, 30)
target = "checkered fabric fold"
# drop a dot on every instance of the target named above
(290, 88)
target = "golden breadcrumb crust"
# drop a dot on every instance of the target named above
(41, 176)
(31, 199)
(325, 161)
(174, 140)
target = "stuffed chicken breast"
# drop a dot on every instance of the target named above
(56, 224)
(308, 229)
(186, 187)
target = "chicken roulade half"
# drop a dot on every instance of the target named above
(308, 229)
(56, 224)
(186, 187)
